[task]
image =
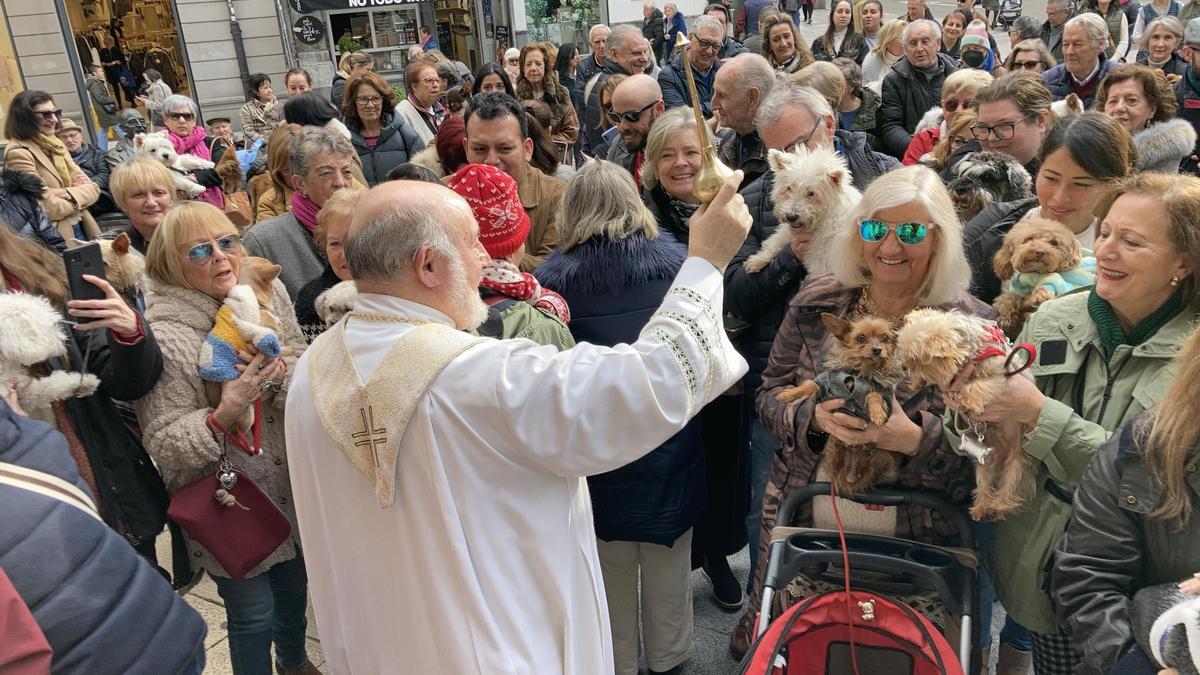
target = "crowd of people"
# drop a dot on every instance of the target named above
(588, 360)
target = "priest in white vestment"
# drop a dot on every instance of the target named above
(439, 478)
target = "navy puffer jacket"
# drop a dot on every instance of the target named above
(103, 608)
(19, 193)
(613, 288)
(398, 142)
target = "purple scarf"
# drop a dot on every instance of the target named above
(193, 144)
(305, 210)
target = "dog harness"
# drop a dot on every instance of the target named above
(1058, 283)
(853, 389)
(996, 344)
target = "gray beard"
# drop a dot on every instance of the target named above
(473, 310)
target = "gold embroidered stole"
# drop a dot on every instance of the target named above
(367, 420)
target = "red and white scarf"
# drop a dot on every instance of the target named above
(503, 278)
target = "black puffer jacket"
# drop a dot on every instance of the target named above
(19, 208)
(865, 164)
(1113, 548)
(398, 142)
(102, 608)
(759, 299)
(983, 236)
(673, 82)
(907, 95)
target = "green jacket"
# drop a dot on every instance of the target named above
(1072, 373)
(523, 320)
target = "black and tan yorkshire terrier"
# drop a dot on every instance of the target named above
(860, 371)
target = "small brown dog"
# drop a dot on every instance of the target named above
(230, 171)
(934, 346)
(860, 371)
(1041, 259)
(258, 274)
(124, 267)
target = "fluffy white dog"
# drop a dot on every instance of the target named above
(158, 147)
(30, 334)
(813, 190)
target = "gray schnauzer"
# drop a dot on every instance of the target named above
(981, 178)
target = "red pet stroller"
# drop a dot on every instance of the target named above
(814, 636)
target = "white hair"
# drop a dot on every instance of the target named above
(706, 22)
(511, 53)
(1093, 25)
(175, 101)
(620, 35)
(593, 29)
(782, 99)
(949, 275)
(754, 71)
(386, 246)
(937, 30)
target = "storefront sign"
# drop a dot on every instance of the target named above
(305, 6)
(309, 30)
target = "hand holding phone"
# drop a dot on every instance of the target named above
(81, 260)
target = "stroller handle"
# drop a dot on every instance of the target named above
(954, 514)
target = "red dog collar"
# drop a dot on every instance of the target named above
(996, 344)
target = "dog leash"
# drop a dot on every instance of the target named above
(837, 518)
(997, 344)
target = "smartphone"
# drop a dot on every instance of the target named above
(81, 260)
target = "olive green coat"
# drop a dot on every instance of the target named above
(1087, 400)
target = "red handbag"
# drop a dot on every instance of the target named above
(228, 514)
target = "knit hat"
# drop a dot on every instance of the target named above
(492, 194)
(449, 144)
(976, 35)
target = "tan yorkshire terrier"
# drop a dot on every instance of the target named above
(933, 347)
(859, 370)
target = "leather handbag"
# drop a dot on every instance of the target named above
(228, 514)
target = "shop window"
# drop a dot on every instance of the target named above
(10, 74)
(384, 34)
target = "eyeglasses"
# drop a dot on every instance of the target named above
(51, 114)
(180, 116)
(711, 46)
(804, 139)
(1003, 131)
(430, 81)
(1026, 65)
(909, 234)
(952, 105)
(202, 254)
(631, 117)
(368, 100)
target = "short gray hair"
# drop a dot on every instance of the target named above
(1028, 26)
(706, 22)
(668, 124)
(174, 101)
(311, 142)
(1093, 24)
(949, 275)
(601, 201)
(1171, 23)
(777, 104)
(387, 245)
(619, 35)
(937, 29)
(755, 71)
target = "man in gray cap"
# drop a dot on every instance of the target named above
(1187, 90)
(132, 123)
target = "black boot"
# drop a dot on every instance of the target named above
(726, 589)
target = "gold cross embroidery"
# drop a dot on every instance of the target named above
(370, 436)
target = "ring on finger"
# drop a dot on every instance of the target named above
(262, 365)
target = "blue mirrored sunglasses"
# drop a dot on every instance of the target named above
(201, 254)
(910, 234)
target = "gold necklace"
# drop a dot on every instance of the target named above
(384, 318)
(865, 307)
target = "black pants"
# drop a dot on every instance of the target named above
(808, 11)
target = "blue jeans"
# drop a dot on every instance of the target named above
(268, 607)
(1013, 634)
(763, 448)
(102, 136)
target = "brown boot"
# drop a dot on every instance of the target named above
(739, 641)
(306, 669)
(1013, 661)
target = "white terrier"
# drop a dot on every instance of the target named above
(158, 147)
(31, 333)
(814, 191)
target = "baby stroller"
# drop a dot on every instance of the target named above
(815, 635)
(1010, 11)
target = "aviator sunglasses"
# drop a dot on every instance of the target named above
(910, 234)
(202, 254)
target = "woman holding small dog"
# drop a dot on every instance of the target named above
(195, 259)
(1104, 356)
(189, 138)
(905, 252)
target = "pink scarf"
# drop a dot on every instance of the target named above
(503, 278)
(305, 210)
(195, 146)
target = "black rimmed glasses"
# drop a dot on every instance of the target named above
(369, 100)
(711, 46)
(1003, 131)
(202, 254)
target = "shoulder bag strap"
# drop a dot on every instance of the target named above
(47, 485)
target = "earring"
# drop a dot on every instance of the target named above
(1174, 281)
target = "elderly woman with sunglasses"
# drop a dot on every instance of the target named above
(180, 115)
(191, 425)
(905, 252)
(34, 148)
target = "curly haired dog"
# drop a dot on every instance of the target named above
(813, 190)
(30, 334)
(1041, 259)
(859, 370)
(984, 177)
(933, 346)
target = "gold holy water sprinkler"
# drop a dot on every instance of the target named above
(713, 171)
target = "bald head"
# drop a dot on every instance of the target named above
(396, 220)
(636, 103)
(637, 91)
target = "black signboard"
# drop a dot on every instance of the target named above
(309, 30)
(305, 6)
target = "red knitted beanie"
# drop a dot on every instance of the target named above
(492, 194)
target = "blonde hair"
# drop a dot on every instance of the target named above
(338, 208)
(1171, 435)
(966, 79)
(823, 77)
(949, 274)
(887, 32)
(139, 172)
(184, 222)
(601, 201)
(670, 123)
